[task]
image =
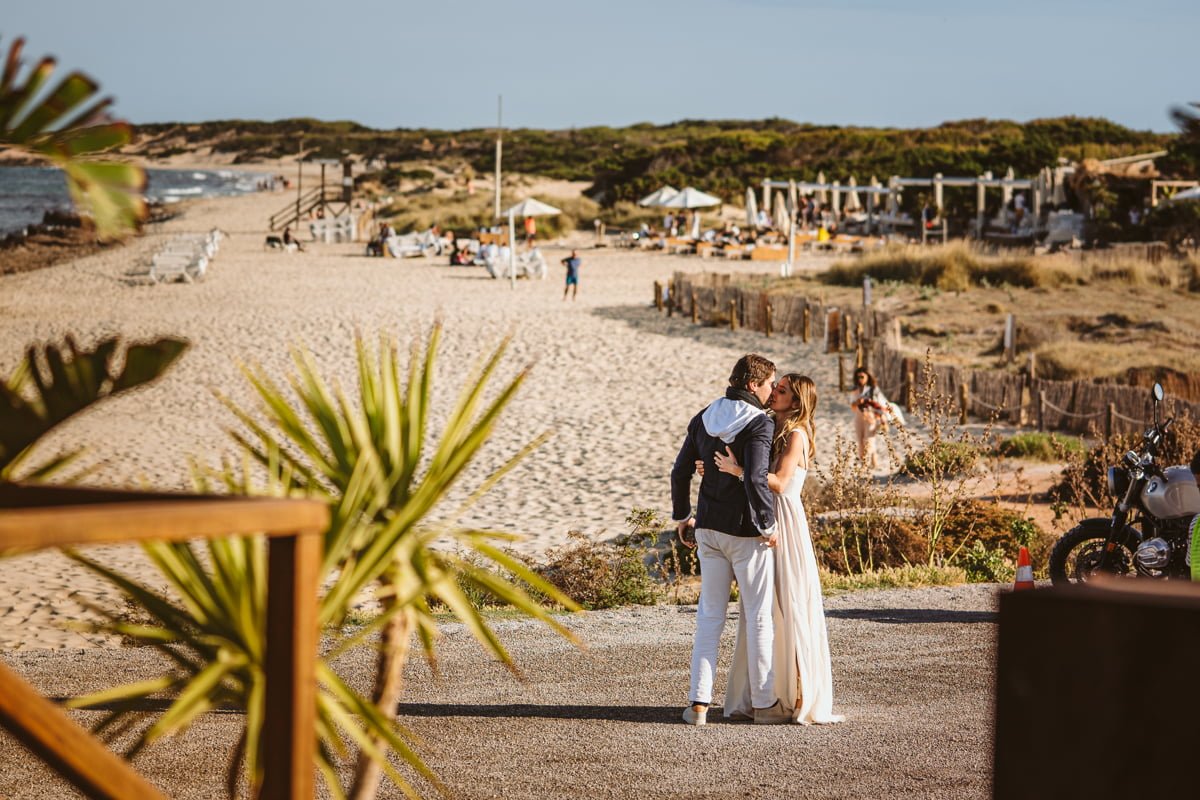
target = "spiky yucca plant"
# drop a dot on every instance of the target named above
(55, 382)
(374, 460)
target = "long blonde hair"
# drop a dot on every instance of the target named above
(800, 417)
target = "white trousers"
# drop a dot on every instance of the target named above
(723, 559)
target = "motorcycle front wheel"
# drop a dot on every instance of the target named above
(1076, 556)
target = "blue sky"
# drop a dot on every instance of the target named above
(566, 64)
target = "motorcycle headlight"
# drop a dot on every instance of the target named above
(1118, 481)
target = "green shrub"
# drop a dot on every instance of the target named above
(1040, 446)
(861, 544)
(986, 565)
(600, 575)
(942, 458)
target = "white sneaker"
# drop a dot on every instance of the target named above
(693, 717)
(775, 715)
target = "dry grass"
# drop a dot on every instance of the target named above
(905, 577)
(961, 266)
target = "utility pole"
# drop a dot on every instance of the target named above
(499, 148)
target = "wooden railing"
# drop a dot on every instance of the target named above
(325, 195)
(38, 517)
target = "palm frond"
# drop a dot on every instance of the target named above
(63, 125)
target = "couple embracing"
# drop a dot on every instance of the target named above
(753, 448)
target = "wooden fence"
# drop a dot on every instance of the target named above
(874, 337)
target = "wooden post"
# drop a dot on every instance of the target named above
(733, 320)
(897, 339)
(833, 330)
(910, 389)
(658, 295)
(841, 373)
(858, 355)
(1110, 420)
(671, 299)
(767, 321)
(805, 324)
(844, 333)
(1010, 338)
(695, 314)
(1023, 411)
(858, 333)
(1032, 370)
(1041, 410)
(867, 291)
(290, 660)
(964, 403)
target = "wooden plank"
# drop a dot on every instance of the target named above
(289, 738)
(167, 520)
(60, 742)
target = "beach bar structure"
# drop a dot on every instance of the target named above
(1047, 184)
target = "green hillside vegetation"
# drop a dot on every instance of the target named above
(723, 157)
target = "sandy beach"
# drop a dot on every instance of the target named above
(614, 380)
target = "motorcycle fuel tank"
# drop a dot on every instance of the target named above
(1176, 496)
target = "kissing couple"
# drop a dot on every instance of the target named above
(753, 448)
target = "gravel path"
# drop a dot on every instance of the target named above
(912, 672)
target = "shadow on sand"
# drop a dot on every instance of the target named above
(612, 713)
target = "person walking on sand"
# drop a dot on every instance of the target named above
(801, 665)
(870, 414)
(571, 262)
(734, 530)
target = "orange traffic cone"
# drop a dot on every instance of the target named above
(1024, 571)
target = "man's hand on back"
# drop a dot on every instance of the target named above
(687, 531)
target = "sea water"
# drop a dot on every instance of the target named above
(27, 192)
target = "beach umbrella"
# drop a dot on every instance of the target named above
(751, 208)
(532, 208)
(822, 196)
(1058, 196)
(781, 212)
(853, 203)
(1006, 191)
(692, 198)
(525, 208)
(1192, 194)
(658, 196)
(696, 225)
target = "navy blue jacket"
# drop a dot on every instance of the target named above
(727, 504)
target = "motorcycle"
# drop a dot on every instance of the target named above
(1149, 530)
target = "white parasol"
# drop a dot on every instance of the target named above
(658, 196)
(532, 208)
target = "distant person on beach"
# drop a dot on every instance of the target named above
(530, 231)
(572, 285)
(291, 242)
(870, 415)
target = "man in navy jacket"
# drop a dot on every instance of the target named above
(734, 531)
